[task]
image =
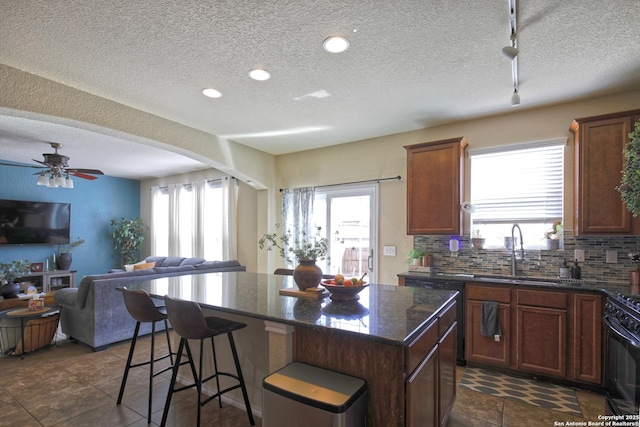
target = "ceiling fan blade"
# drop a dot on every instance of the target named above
(84, 176)
(42, 163)
(91, 171)
(23, 166)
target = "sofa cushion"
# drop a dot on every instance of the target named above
(192, 261)
(172, 261)
(217, 264)
(157, 259)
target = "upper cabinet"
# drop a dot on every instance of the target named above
(599, 141)
(435, 185)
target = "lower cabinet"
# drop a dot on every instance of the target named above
(483, 349)
(586, 337)
(541, 340)
(430, 387)
(422, 393)
(548, 332)
(447, 373)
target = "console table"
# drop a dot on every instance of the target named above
(52, 280)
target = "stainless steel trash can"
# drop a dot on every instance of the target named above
(301, 395)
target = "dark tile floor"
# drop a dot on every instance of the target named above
(70, 385)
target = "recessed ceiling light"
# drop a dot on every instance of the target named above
(259, 74)
(211, 93)
(335, 44)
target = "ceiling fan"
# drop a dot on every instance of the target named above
(57, 167)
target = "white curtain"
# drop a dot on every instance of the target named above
(297, 212)
(196, 219)
(229, 218)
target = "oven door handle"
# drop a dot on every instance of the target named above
(619, 331)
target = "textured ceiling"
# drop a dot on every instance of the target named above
(411, 63)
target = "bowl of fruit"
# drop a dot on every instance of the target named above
(343, 289)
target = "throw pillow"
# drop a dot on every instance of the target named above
(144, 266)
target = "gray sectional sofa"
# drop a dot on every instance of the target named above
(94, 313)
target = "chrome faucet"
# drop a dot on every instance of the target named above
(514, 265)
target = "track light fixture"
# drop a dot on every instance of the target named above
(515, 98)
(512, 51)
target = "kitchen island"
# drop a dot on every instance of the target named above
(400, 340)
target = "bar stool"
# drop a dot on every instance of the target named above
(141, 307)
(190, 323)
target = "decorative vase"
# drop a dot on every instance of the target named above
(64, 261)
(307, 274)
(552, 244)
(478, 242)
(10, 290)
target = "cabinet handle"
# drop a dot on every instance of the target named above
(370, 260)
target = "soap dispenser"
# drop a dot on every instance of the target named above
(576, 272)
(565, 273)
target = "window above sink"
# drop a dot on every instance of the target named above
(522, 183)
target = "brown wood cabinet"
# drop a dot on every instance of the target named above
(556, 333)
(586, 338)
(541, 332)
(435, 186)
(599, 141)
(446, 374)
(483, 349)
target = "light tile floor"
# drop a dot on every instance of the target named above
(70, 385)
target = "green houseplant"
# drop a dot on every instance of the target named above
(552, 236)
(629, 187)
(10, 272)
(304, 251)
(415, 257)
(128, 236)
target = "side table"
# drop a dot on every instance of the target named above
(37, 328)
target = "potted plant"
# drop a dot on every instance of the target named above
(629, 187)
(128, 236)
(10, 272)
(552, 236)
(415, 257)
(477, 240)
(64, 253)
(303, 251)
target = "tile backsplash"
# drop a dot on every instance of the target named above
(596, 272)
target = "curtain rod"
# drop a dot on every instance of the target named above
(357, 182)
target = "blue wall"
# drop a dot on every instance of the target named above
(93, 205)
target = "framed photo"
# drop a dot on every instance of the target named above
(36, 267)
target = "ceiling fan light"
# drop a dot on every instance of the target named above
(43, 180)
(68, 183)
(60, 181)
(510, 52)
(52, 182)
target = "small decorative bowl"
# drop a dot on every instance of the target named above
(344, 293)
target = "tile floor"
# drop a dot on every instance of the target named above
(70, 385)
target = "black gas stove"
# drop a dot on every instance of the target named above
(622, 324)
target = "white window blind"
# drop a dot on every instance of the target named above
(518, 184)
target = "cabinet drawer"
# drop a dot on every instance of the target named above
(421, 346)
(547, 299)
(446, 319)
(488, 293)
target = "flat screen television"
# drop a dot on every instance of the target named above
(23, 222)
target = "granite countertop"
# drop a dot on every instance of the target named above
(389, 313)
(538, 282)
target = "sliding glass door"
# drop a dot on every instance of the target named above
(348, 215)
